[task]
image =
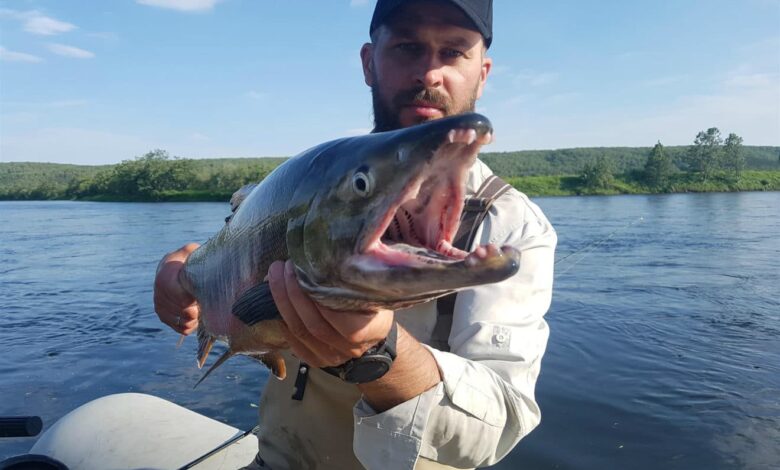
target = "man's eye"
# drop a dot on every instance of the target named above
(452, 53)
(408, 48)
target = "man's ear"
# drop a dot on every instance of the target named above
(366, 57)
(487, 64)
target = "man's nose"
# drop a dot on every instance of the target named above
(430, 73)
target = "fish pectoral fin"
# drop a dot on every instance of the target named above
(228, 354)
(274, 361)
(205, 342)
(238, 197)
(256, 305)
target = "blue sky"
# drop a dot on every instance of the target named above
(103, 81)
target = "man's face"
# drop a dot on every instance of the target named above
(425, 63)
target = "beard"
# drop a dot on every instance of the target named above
(387, 116)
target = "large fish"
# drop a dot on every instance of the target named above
(368, 222)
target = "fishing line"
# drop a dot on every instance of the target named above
(222, 446)
(591, 246)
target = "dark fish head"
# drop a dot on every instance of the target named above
(380, 228)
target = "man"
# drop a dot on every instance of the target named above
(433, 409)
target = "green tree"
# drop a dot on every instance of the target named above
(704, 156)
(659, 167)
(733, 157)
(597, 174)
(145, 177)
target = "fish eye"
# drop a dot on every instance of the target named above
(361, 183)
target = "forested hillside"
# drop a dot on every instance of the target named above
(622, 159)
(157, 176)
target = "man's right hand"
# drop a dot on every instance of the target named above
(175, 306)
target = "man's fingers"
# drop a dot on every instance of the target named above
(316, 325)
(175, 306)
(293, 304)
(188, 327)
(191, 313)
(306, 354)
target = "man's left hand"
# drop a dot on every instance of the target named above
(317, 335)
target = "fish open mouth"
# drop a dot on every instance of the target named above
(417, 228)
(404, 253)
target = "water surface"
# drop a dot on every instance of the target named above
(664, 348)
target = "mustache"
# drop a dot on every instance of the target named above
(429, 95)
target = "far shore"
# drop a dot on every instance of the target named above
(533, 186)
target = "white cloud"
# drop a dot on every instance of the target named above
(11, 56)
(181, 5)
(35, 22)
(70, 51)
(198, 136)
(46, 26)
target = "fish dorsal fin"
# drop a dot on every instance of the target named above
(227, 355)
(238, 197)
(255, 305)
(274, 361)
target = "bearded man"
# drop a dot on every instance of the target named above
(464, 401)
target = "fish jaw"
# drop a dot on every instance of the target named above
(399, 277)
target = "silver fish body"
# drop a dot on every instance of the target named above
(368, 222)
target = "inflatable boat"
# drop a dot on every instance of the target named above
(135, 431)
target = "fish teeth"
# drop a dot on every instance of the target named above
(472, 136)
(462, 136)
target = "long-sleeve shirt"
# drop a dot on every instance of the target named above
(485, 402)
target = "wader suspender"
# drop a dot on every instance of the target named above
(474, 212)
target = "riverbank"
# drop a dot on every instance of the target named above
(535, 186)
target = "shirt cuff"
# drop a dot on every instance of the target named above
(392, 439)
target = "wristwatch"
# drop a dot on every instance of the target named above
(373, 364)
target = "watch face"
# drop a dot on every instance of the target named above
(368, 368)
(373, 364)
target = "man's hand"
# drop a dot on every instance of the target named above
(175, 306)
(320, 336)
(323, 337)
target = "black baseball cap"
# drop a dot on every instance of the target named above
(480, 12)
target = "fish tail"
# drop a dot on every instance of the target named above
(227, 355)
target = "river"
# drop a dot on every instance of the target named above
(665, 326)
